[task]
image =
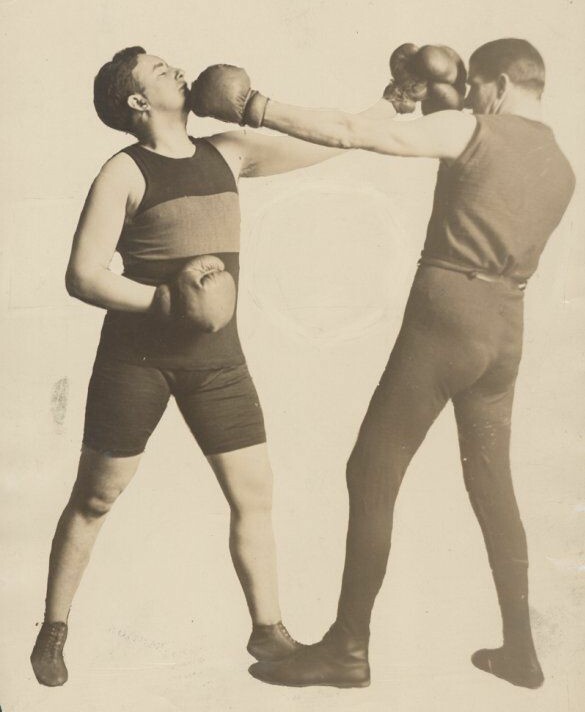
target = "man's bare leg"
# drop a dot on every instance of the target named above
(100, 480)
(245, 477)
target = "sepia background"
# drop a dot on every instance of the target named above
(159, 623)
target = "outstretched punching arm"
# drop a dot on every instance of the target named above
(252, 154)
(433, 75)
(441, 135)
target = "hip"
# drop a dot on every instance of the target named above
(140, 339)
(456, 304)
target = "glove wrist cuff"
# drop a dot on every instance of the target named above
(254, 110)
(399, 98)
(160, 306)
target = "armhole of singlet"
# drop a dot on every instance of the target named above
(471, 144)
(135, 156)
(205, 139)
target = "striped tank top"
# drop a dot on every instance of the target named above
(190, 207)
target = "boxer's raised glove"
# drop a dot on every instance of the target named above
(434, 75)
(224, 92)
(202, 296)
(405, 87)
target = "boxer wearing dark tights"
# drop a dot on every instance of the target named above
(502, 187)
(169, 205)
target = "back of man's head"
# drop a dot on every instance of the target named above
(113, 84)
(517, 58)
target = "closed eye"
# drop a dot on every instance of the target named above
(161, 66)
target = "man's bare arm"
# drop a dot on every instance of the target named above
(444, 134)
(88, 276)
(253, 154)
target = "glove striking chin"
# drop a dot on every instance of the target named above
(224, 92)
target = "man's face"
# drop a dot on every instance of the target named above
(482, 96)
(162, 86)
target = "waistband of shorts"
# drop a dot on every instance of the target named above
(472, 273)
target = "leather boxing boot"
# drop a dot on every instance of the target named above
(337, 661)
(47, 655)
(272, 642)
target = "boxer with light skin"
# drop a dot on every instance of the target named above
(169, 205)
(502, 188)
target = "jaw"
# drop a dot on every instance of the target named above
(186, 92)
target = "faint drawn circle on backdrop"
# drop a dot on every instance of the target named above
(327, 260)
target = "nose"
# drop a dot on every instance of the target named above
(180, 73)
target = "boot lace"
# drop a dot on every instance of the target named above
(287, 635)
(51, 640)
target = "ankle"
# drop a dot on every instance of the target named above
(518, 639)
(346, 645)
(519, 648)
(342, 633)
(266, 624)
(56, 614)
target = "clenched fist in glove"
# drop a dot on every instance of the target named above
(224, 92)
(202, 296)
(434, 75)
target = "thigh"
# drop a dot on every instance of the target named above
(124, 405)
(245, 476)
(412, 391)
(483, 413)
(221, 408)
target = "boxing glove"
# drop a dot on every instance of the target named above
(433, 74)
(224, 92)
(400, 61)
(436, 64)
(405, 88)
(440, 97)
(202, 296)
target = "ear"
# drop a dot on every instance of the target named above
(138, 102)
(502, 84)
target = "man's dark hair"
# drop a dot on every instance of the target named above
(517, 58)
(113, 85)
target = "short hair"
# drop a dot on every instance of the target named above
(112, 86)
(520, 60)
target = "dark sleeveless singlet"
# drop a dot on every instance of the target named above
(190, 207)
(496, 206)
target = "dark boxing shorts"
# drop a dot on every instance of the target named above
(126, 401)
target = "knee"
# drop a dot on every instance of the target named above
(252, 501)
(372, 481)
(96, 503)
(357, 469)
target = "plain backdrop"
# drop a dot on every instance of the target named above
(159, 623)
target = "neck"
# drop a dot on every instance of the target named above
(522, 104)
(167, 135)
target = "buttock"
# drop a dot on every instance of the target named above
(464, 311)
